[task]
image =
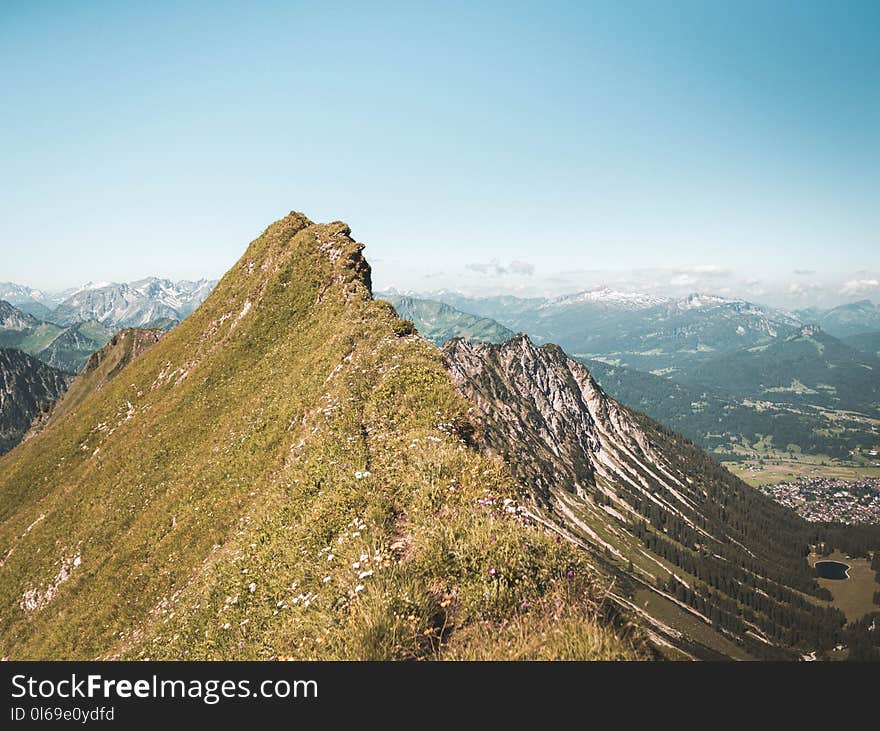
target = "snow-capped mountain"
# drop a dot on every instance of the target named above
(609, 297)
(18, 293)
(697, 300)
(133, 304)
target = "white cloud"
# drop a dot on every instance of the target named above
(860, 286)
(495, 268)
(711, 270)
(522, 267)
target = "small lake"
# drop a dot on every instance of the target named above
(831, 570)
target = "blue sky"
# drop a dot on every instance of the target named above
(731, 143)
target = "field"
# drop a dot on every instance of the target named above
(854, 596)
(762, 466)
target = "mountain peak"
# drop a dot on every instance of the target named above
(605, 295)
(332, 240)
(700, 299)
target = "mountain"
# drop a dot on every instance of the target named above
(720, 422)
(808, 366)
(101, 367)
(669, 360)
(25, 332)
(288, 473)
(35, 309)
(505, 309)
(695, 543)
(853, 318)
(27, 388)
(293, 472)
(70, 350)
(134, 304)
(638, 330)
(439, 322)
(866, 342)
(709, 414)
(607, 297)
(18, 294)
(13, 320)
(65, 348)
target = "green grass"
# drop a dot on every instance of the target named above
(40, 338)
(782, 467)
(678, 618)
(855, 595)
(204, 487)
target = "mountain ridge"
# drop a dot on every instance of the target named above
(290, 476)
(647, 497)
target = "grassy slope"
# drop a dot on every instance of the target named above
(101, 368)
(200, 526)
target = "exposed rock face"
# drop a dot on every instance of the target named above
(542, 409)
(28, 387)
(535, 406)
(612, 478)
(14, 319)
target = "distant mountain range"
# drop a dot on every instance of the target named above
(439, 322)
(142, 303)
(639, 331)
(846, 320)
(808, 366)
(720, 371)
(65, 348)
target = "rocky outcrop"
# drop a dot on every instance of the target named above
(546, 415)
(14, 319)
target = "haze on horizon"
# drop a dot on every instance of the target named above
(534, 149)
